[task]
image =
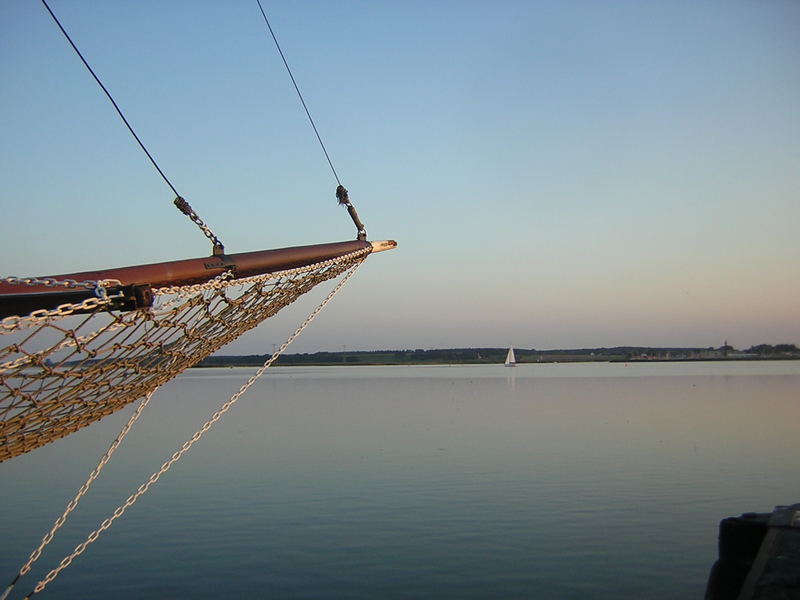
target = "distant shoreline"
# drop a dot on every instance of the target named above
(489, 356)
(422, 364)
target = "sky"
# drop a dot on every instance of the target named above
(557, 174)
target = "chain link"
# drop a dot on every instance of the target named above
(40, 316)
(37, 317)
(85, 487)
(186, 209)
(67, 283)
(142, 350)
(120, 510)
(220, 282)
(223, 280)
(74, 341)
(229, 274)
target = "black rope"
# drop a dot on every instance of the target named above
(119, 112)
(297, 89)
(182, 205)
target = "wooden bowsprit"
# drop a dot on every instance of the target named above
(66, 367)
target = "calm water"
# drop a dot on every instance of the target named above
(546, 481)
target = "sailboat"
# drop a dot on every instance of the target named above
(511, 360)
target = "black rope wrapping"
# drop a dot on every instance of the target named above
(344, 199)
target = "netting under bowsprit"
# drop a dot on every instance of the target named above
(62, 370)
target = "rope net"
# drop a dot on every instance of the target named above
(63, 369)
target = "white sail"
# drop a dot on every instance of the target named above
(511, 360)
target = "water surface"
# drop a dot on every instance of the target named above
(592, 480)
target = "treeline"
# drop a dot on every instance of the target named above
(768, 350)
(497, 355)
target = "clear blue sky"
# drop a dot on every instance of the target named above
(557, 174)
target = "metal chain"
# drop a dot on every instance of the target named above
(94, 535)
(81, 492)
(39, 316)
(67, 283)
(221, 281)
(75, 341)
(217, 283)
(225, 275)
(185, 208)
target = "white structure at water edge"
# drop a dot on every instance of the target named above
(511, 360)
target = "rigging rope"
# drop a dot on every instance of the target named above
(297, 89)
(179, 201)
(341, 192)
